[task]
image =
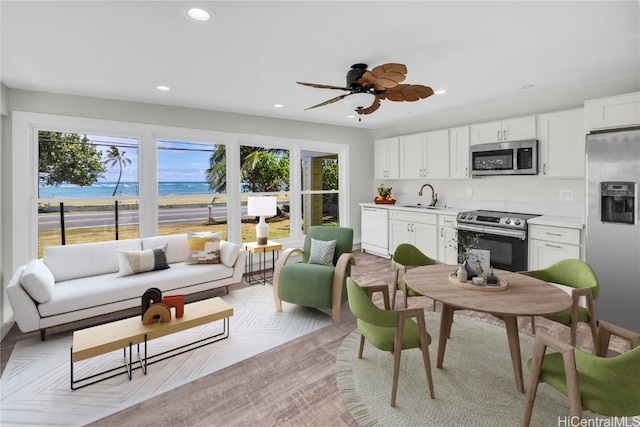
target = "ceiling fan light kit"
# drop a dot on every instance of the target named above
(359, 100)
(366, 88)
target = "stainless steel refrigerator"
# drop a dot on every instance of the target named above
(613, 224)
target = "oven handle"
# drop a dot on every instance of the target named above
(522, 235)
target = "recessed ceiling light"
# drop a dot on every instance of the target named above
(198, 14)
(441, 91)
(278, 105)
(163, 88)
(527, 86)
(351, 116)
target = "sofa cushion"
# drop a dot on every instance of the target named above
(87, 292)
(135, 262)
(86, 259)
(229, 253)
(177, 249)
(203, 248)
(38, 281)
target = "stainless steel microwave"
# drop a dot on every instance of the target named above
(505, 158)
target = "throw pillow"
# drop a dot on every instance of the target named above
(322, 251)
(203, 248)
(134, 262)
(38, 281)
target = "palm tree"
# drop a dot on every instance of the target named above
(114, 156)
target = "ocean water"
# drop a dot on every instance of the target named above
(124, 189)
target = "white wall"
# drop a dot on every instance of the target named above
(533, 194)
(5, 311)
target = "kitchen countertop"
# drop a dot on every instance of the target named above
(442, 210)
(548, 220)
(557, 221)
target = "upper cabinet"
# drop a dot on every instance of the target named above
(425, 155)
(561, 137)
(459, 152)
(387, 158)
(613, 112)
(505, 130)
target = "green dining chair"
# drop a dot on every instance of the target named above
(608, 386)
(389, 330)
(578, 275)
(406, 255)
(317, 281)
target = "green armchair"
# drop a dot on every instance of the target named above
(578, 275)
(406, 255)
(389, 330)
(605, 385)
(316, 285)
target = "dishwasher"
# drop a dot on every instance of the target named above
(375, 234)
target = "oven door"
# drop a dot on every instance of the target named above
(508, 249)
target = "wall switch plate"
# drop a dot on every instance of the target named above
(469, 191)
(566, 194)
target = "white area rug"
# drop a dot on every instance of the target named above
(475, 387)
(35, 386)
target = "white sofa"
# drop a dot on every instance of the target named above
(76, 282)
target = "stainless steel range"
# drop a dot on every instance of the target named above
(503, 234)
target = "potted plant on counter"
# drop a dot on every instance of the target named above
(384, 196)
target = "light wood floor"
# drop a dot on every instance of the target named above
(293, 384)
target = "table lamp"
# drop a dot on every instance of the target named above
(261, 206)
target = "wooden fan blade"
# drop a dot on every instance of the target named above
(369, 79)
(319, 86)
(407, 92)
(331, 101)
(374, 107)
(389, 75)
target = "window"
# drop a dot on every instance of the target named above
(87, 188)
(265, 171)
(320, 188)
(85, 180)
(191, 187)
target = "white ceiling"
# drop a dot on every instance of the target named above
(250, 56)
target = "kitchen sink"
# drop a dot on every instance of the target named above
(419, 206)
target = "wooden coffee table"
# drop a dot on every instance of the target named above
(126, 333)
(524, 296)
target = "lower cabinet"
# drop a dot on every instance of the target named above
(419, 229)
(548, 245)
(447, 251)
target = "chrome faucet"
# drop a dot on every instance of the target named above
(434, 195)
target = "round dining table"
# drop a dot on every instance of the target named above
(523, 296)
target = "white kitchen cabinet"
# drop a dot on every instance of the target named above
(418, 228)
(387, 158)
(459, 152)
(548, 245)
(505, 130)
(613, 112)
(447, 251)
(425, 155)
(561, 139)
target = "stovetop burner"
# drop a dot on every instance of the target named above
(511, 220)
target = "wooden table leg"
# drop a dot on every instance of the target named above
(446, 319)
(511, 324)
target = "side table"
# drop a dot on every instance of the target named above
(261, 250)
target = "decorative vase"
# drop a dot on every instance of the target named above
(461, 274)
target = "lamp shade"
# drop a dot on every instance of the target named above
(261, 206)
(359, 100)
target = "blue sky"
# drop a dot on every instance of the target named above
(175, 162)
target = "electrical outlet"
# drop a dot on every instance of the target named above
(469, 191)
(566, 194)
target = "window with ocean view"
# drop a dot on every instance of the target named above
(87, 188)
(191, 187)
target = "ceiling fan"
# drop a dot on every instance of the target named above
(366, 88)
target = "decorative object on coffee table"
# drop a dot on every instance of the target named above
(151, 295)
(176, 301)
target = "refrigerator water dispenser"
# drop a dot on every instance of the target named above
(617, 202)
